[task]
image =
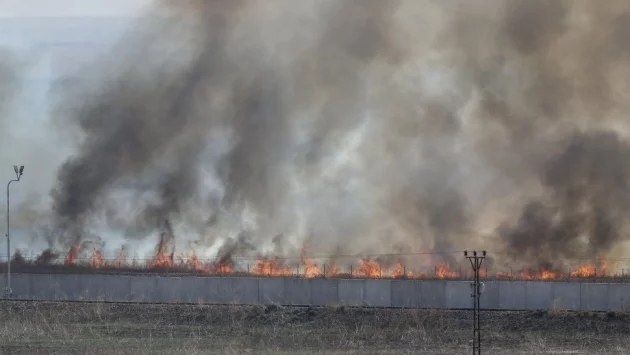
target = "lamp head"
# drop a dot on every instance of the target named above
(465, 253)
(19, 170)
(484, 253)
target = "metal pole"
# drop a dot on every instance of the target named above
(18, 173)
(7, 291)
(475, 262)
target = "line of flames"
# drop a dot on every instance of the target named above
(310, 269)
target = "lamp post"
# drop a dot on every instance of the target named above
(18, 173)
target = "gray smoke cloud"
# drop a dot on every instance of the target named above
(361, 127)
(10, 84)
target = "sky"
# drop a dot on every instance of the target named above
(74, 8)
(50, 37)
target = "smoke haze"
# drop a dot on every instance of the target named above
(359, 127)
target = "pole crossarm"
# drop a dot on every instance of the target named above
(476, 259)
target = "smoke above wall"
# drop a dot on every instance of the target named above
(356, 127)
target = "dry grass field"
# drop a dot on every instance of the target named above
(117, 329)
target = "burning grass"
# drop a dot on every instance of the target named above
(166, 260)
(112, 329)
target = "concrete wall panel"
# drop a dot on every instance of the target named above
(457, 295)
(21, 287)
(512, 295)
(405, 293)
(68, 287)
(297, 291)
(490, 297)
(93, 287)
(271, 291)
(219, 290)
(378, 293)
(143, 289)
(325, 292)
(594, 297)
(351, 292)
(169, 289)
(619, 297)
(245, 290)
(194, 289)
(539, 295)
(117, 288)
(566, 295)
(532, 295)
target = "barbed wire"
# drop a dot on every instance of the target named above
(371, 256)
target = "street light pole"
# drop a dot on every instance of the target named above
(18, 173)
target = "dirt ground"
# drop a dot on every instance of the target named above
(116, 329)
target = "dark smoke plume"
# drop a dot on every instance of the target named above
(363, 126)
(587, 186)
(46, 257)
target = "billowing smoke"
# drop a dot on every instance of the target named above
(584, 212)
(359, 126)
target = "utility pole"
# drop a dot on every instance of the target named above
(477, 289)
(18, 173)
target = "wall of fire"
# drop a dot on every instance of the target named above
(440, 294)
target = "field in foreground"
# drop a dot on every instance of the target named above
(116, 329)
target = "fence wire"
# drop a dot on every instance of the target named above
(404, 265)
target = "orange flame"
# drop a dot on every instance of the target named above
(368, 268)
(271, 267)
(71, 256)
(97, 258)
(591, 270)
(333, 270)
(537, 275)
(444, 272)
(399, 270)
(223, 269)
(162, 258)
(309, 268)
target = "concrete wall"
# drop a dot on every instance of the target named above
(440, 294)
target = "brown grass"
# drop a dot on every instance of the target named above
(117, 329)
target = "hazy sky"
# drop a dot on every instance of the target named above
(49, 37)
(21, 8)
